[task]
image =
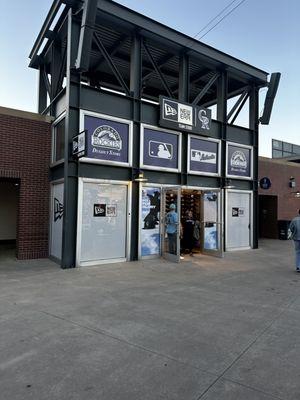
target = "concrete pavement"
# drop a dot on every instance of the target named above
(209, 329)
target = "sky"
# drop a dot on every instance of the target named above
(263, 33)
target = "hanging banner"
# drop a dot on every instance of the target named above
(203, 156)
(239, 161)
(150, 233)
(107, 140)
(183, 116)
(160, 149)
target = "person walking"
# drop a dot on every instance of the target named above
(171, 228)
(294, 234)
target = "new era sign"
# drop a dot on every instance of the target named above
(182, 116)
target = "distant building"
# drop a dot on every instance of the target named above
(283, 149)
(279, 195)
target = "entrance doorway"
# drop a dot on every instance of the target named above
(9, 190)
(268, 217)
(190, 223)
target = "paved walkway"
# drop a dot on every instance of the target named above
(209, 329)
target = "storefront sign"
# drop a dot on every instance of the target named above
(78, 145)
(203, 156)
(58, 209)
(238, 212)
(182, 116)
(107, 140)
(265, 183)
(238, 161)
(105, 210)
(160, 149)
(99, 210)
(150, 234)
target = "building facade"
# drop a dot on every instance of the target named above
(24, 182)
(279, 199)
(142, 121)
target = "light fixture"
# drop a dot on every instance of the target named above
(227, 184)
(292, 182)
(297, 194)
(139, 177)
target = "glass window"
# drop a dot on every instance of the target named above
(287, 154)
(277, 144)
(277, 154)
(59, 140)
(287, 147)
(296, 149)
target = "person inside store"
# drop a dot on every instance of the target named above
(171, 228)
(188, 225)
(294, 234)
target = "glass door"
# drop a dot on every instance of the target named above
(170, 223)
(211, 223)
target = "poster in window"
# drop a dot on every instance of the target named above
(150, 232)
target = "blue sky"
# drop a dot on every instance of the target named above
(264, 33)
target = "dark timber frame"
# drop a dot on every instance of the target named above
(95, 46)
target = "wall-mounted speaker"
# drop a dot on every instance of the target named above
(269, 100)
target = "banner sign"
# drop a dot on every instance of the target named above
(107, 140)
(203, 156)
(150, 233)
(265, 183)
(79, 145)
(238, 161)
(160, 149)
(183, 116)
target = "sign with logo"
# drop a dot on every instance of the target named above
(238, 212)
(182, 116)
(58, 209)
(160, 149)
(105, 210)
(265, 183)
(99, 210)
(78, 145)
(107, 140)
(239, 161)
(203, 156)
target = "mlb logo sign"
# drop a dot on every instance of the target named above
(160, 150)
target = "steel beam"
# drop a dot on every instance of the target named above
(242, 103)
(111, 64)
(159, 63)
(206, 88)
(111, 51)
(164, 33)
(86, 35)
(184, 78)
(236, 105)
(157, 70)
(42, 99)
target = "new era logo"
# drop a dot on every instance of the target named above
(170, 110)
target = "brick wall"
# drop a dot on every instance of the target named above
(279, 172)
(24, 155)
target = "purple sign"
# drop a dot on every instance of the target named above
(107, 140)
(204, 156)
(160, 149)
(238, 161)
